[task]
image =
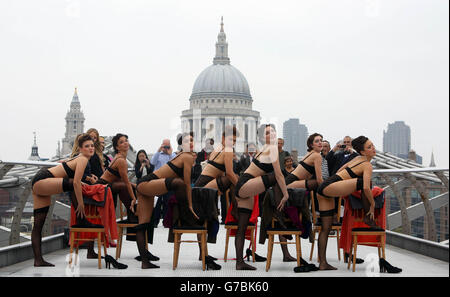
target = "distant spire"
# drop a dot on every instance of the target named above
(221, 47)
(432, 163)
(34, 150)
(75, 96)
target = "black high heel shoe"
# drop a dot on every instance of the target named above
(347, 256)
(211, 265)
(110, 260)
(386, 267)
(311, 267)
(258, 258)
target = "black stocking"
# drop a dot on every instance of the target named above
(327, 220)
(223, 183)
(121, 189)
(366, 206)
(239, 240)
(36, 236)
(311, 184)
(141, 230)
(286, 256)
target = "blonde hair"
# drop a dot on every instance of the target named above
(98, 150)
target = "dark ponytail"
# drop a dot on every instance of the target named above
(358, 143)
(115, 141)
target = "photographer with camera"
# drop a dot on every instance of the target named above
(341, 154)
(161, 157)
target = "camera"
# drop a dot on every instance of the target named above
(166, 147)
(342, 146)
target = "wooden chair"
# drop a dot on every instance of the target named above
(234, 226)
(317, 227)
(377, 235)
(101, 236)
(121, 225)
(381, 235)
(197, 193)
(179, 230)
(281, 231)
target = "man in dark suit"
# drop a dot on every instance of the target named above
(341, 154)
(202, 156)
(247, 157)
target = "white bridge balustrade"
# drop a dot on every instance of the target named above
(397, 176)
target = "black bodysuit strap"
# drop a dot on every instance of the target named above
(350, 171)
(216, 155)
(307, 156)
(358, 164)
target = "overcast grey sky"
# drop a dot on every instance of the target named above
(341, 67)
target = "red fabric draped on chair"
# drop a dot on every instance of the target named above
(253, 218)
(352, 219)
(107, 213)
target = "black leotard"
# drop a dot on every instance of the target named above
(178, 170)
(113, 171)
(266, 167)
(70, 173)
(309, 168)
(219, 166)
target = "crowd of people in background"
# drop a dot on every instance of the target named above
(329, 172)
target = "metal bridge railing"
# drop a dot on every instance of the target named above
(425, 181)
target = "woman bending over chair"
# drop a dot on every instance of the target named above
(353, 176)
(218, 174)
(264, 172)
(174, 176)
(55, 180)
(308, 174)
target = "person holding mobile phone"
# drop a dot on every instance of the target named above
(142, 166)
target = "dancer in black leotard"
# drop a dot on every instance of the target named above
(353, 176)
(116, 175)
(307, 175)
(55, 180)
(218, 174)
(263, 172)
(174, 176)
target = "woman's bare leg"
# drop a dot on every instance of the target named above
(340, 188)
(154, 187)
(252, 187)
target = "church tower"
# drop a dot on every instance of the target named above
(74, 124)
(34, 151)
